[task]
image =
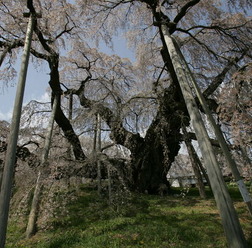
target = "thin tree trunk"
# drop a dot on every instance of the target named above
(109, 182)
(98, 151)
(230, 221)
(200, 183)
(31, 226)
(70, 117)
(247, 160)
(1, 174)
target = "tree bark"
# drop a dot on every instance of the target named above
(70, 117)
(161, 144)
(60, 117)
(98, 151)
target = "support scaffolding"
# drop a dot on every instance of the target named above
(230, 221)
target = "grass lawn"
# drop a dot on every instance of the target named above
(140, 221)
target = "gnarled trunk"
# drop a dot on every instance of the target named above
(153, 159)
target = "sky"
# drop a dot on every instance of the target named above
(36, 84)
(37, 81)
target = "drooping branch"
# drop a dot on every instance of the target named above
(53, 60)
(40, 55)
(30, 6)
(22, 153)
(7, 47)
(60, 117)
(118, 133)
(43, 41)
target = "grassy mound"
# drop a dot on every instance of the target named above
(137, 220)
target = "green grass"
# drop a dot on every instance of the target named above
(142, 221)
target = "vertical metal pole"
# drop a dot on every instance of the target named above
(230, 221)
(8, 173)
(230, 161)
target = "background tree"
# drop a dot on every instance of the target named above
(235, 106)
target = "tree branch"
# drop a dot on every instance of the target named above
(182, 13)
(220, 78)
(8, 47)
(30, 6)
(214, 142)
(118, 133)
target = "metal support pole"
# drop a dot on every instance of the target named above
(230, 161)
(230, 221)
(8, 173)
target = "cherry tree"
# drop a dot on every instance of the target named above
(214, 36)
(235, 106)
(211, 35)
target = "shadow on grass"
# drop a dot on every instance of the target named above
(64, 241)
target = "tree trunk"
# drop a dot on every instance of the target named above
(153, 159)
(152, 156)
(98, 151)
(60, 117)
(70, 117)
(69, 133)
(109, 183)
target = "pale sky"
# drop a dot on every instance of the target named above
(36, 84)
